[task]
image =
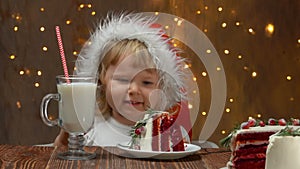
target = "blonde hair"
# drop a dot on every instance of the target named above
(112, 56)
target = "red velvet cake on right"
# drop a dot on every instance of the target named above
(249, 142)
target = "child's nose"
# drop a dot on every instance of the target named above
(133, 88)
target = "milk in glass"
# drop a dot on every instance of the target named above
(77, 106)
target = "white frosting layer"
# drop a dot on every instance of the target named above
(261, 129)
(146, 140)
(283, 152)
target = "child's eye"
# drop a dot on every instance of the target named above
(122, 80)
(147, 83)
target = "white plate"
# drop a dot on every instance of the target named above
(132, 153)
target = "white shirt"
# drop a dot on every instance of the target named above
(107, 133)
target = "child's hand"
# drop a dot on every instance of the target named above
(61, 139)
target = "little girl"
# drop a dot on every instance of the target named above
(137, 69)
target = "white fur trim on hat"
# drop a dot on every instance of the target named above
(135, 26)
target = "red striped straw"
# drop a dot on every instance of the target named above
(62, 53)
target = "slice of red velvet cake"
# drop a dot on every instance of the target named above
(249, 143)
(157, 132)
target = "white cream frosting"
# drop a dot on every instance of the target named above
(283, 152)
(261, 129)
(146, 139)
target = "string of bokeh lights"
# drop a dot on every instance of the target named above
(269, 29)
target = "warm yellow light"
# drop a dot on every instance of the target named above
(204, 74)
(237, 23)
(194, 79)
(204, 113)
(12, 57)
(259, 115)
(269, 29)
(175, 45)
(289, 77)
(231, 100)
(227, 110)
(18, 104)
(194, 91)
(223, 132)
(93, 13)
(251, 31)
(298, 40)
(42, 9)
(81, 6)
(50, 117)
(39, 73)
(218, 68)
(208, 51)
(190, 106)
(36, 84)
(45, 48)
(68, 22)
(16, 28)
(75, 53)
(175, 19)
(89, 5)
(292, 99)
(186, 66)
(42, 29)
(206, 7)
(226, 51)
(220, 9)
(254, 74)
(240, 56)
(156, 13)
(21, 72)
(179, 22)
(224, 25)
(198, 12)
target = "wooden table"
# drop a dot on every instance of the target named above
(46, 157)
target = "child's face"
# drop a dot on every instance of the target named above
(130, 90)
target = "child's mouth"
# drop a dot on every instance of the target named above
(134, 103)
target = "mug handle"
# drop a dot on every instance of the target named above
(44, 107)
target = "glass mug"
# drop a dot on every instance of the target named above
(77, 102)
